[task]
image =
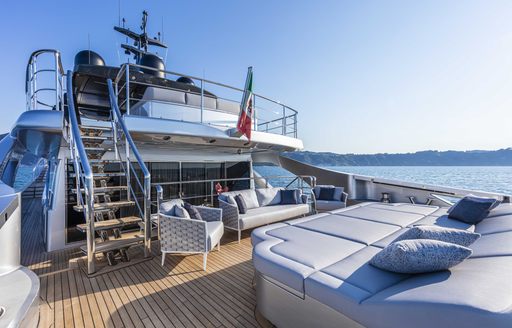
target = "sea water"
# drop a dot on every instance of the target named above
(484, 178)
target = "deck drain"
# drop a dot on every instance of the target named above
(2, 311)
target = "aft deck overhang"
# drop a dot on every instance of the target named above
(164, 131)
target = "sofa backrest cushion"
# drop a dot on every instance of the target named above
(251, 200)
(167, 207)
(268, 196)
(338, 191)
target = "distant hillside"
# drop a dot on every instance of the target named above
(502, 157)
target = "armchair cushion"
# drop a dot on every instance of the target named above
(192, 212)
(329, 205)
(240, 202)
(215, 230)
(167, 207)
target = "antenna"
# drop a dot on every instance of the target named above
(141, 40)
(89, 47)
(162, 29)
(119, 12)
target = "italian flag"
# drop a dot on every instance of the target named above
(244, 125)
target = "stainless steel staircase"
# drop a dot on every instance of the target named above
(104, 224)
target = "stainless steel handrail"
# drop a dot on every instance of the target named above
(123, 75)
(130, 145)
(31, 73)
(123, 69)
(83, 173)
(310, 177)
(302, 178)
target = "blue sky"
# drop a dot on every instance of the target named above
(366, 76)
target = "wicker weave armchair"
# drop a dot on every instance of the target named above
(183, 235)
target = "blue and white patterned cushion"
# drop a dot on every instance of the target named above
(455, 236)
(420, 256)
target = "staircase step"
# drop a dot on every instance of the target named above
(100, 176)
(96, 149)
(113, 244)
(95, 128)
(104, 190)
(106, 206)
(97, 139)
(99, 161)
(111, 224)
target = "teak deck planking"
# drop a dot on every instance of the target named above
(144, 294)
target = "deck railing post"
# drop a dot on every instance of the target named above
(128, 172)
(56, 81)
(127, 88)
(254, 113)
(211, 192)
(202, 100)
(159, 199)
(284, 120)
(147, 216)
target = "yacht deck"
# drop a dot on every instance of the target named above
(146, 294)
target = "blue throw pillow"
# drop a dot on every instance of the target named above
(472, 209)
(288, 197)
(193, 212)
(240, 202)
(326, 193)
(455, 236)
(420, 256)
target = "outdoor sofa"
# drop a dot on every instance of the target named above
(263, 207)
(314, 271)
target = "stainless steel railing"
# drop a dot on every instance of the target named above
(304, 182)
(55, 84)
(275, 117)
(83, 175)
(118, 128)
